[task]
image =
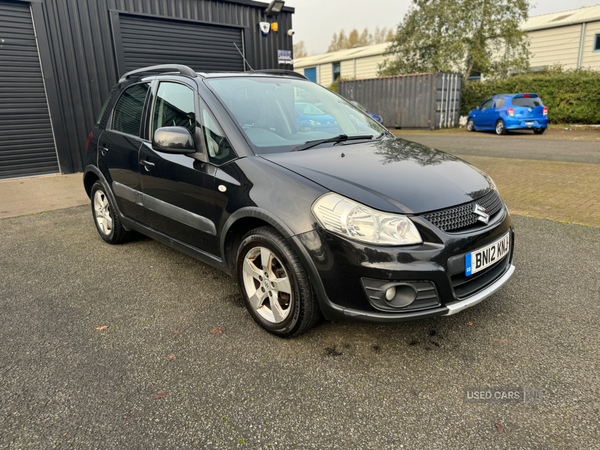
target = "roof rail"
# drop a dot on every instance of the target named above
(281, 72)
(183, 70)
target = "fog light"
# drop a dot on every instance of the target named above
(400, 295)
(390, 294)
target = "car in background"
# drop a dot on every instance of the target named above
(375, 117)
(310, 118)
(506, 112)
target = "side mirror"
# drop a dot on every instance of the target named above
(478, 107)
(177, 140)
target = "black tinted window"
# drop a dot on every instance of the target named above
(527, 102)
(597, 43)
(499, 102)
(174, 107)
(127, 115)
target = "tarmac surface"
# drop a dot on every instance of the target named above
(139, 346)
(94, 335)
(554, 145)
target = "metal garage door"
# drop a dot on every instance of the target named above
(203, 47)
(26, 141)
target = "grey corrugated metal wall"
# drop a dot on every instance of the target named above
(76, 41)
(430, 100)
(26, 141)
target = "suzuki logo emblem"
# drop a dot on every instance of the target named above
(480, 211)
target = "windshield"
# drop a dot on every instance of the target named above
(278, 114)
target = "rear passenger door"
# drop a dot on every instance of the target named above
(118, 148)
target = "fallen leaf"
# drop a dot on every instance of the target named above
(500, 428)
(102, 328)
(176, 331)
(470, 324)
(217, 330)
(171, 357)
(161, 395)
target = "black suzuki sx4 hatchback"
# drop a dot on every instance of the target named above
(315, 208)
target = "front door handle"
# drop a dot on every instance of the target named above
(147, 164)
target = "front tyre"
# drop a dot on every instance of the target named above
(539, 130)
(470, 125)
(500, 128)
(274, 284)
(106, 218)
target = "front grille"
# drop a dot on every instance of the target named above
(465, 286)
(459, 217)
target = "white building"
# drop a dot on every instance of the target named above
(569, 38)
(357, 63)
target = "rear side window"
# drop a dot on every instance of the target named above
(527, 102)
(499, 102)
(127, 115)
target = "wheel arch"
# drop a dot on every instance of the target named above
(241, 222)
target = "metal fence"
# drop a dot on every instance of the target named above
(429, 100)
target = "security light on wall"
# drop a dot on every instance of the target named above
(274, 7)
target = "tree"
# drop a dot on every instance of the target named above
(300, 50)
(463, 35)
(342, 41)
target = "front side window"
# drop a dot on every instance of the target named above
(127, 115)
(174, 107)
(487, 104)
(278, 114)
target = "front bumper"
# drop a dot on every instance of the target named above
(337, 266)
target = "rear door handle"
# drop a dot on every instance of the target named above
(103, 150)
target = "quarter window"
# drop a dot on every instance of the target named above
(127, 115)
(174, 107)
(217, 145)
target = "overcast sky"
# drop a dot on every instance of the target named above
(315, 21)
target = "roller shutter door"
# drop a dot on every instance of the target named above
(26, 141)
(203, 47)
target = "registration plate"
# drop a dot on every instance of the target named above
(486, 256)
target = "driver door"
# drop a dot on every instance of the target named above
(179, 189)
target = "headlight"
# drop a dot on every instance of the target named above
(361, 223)
(314, 122)
(492, 184)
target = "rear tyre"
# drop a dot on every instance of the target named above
(500, 128)
(106, 218)
(539, 130)
(274, 284)
(470, 125)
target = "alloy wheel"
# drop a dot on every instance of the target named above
(499, 127)
(102, 213)
(267, 284)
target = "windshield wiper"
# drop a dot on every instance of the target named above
(339, 138)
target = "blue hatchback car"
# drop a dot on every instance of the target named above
(506, 112)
